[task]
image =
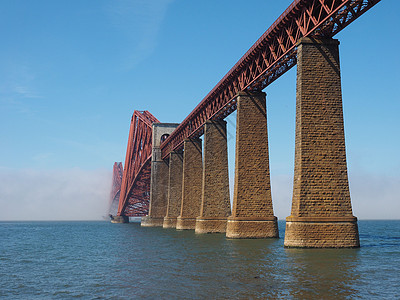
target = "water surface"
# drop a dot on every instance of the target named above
(100, 260)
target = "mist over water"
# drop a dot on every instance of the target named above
(78, 194)
(100, 260)
(69, 194)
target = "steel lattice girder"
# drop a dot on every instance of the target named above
(138, 199)
(138, 156)
(272, 55)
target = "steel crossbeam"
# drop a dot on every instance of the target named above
(272, 55)
(135, 187)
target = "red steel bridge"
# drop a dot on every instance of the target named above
(135, 187)
(273, 54)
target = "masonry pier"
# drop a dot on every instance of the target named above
(191, 184)
(252, 212)
(119, 219)
(321, 214)
(159, 177)
(215, 203)
(175, 189)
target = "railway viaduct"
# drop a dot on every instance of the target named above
(172, 178)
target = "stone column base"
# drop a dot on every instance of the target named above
(169, 222)
(151, 222)
(210, 225)
(120, 219)
(311, 232)
(185, 223)
(252, 228)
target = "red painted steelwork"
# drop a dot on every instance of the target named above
(135, 188)
(272, 55)
(115, 188)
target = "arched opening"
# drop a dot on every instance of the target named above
(164, 137)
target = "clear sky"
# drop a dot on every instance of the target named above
(72, 72)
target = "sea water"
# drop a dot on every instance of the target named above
(100, 260)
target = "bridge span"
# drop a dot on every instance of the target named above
(174, 180)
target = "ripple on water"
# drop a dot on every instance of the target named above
(99, 260)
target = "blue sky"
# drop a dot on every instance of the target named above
(72, 72)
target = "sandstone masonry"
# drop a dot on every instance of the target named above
(321, 214)
(215, 203)
(159, 178)
(191, 184)
(252, 212)
(175, 189)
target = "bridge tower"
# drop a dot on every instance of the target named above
(159, 177)
(135, 187)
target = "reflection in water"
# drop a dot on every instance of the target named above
(99, 260)
(254, 269)
(322, 273)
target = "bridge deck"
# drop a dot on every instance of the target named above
(272, 55)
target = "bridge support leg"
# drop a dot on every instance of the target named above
(215, 204)
(158, 194)
(159, 177)
(252, 212)
(191, 185)
(119, 219)
(174, 190)
(321, 215)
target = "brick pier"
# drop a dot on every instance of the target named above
(191, 184)
(174, 190)
(215, 202)
(321, 213)
(159, 177)
(252, 212)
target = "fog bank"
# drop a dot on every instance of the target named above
(72, 194)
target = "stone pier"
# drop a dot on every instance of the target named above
(321, 215)
(215, 203)
(191, 184)
(252, 212)
(159, 177)
(119, 219)
(174, 190)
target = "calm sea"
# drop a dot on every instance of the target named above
(100, 260)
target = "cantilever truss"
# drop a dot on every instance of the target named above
(115, 188)
(272, 55)
(135, 188)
